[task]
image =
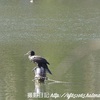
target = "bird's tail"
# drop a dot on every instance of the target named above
(46, 67)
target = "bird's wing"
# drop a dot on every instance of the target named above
(39, 59)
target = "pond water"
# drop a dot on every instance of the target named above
(65, 32)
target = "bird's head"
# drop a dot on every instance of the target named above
(32, 53)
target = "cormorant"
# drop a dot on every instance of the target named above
(40, 61)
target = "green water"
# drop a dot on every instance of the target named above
(65, 32)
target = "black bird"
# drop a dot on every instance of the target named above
(40, 61)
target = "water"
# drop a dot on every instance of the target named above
(65, 32)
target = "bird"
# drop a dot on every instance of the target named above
(40, 61)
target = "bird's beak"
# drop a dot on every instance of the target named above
(26, 54)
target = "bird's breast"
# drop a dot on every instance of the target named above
(31, 57)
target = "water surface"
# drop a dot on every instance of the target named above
(65, 32)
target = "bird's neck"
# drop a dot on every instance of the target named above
(30, 57)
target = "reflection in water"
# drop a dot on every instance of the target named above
(39, 88)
